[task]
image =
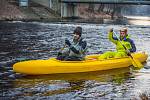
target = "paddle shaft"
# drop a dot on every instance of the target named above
(123, 44)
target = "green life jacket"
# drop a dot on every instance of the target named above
(119, 46)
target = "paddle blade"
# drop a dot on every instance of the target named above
(136, 62)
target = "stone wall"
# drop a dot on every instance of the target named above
(9, 11)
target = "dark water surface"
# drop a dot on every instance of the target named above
(36, 40)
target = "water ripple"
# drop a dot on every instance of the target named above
(21, 41)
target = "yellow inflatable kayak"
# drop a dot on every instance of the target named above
(53, 66)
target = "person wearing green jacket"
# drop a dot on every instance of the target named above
(120, 50)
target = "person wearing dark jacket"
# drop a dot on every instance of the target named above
(76, 49)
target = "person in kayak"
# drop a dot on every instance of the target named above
(121, 52)
(76, 49)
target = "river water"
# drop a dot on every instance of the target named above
(37, 40)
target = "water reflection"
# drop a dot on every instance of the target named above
(55, 84)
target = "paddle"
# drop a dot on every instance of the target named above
(61, 49)
(59, 53)
(135, 62)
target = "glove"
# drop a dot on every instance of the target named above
(59, 54)
(111, 30)
(68, 42)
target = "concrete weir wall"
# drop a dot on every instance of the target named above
(43, 2)
(65, 10)
(72, 10)
(52, 4)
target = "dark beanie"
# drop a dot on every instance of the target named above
(78, 31)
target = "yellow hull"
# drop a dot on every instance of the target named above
(53, 66)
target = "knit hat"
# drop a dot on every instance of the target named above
(78, 31)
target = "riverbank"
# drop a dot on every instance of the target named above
(10, 11)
